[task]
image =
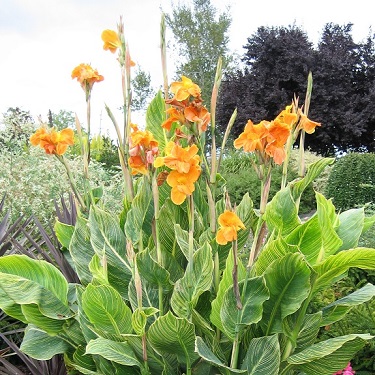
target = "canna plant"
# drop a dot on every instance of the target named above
(182, 281)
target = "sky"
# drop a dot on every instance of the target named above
(43, 40)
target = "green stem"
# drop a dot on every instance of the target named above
(235, 351)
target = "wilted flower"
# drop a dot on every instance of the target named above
(186, 170)
(111, 40)
(53, 142)
(86, 76)
(230, 224)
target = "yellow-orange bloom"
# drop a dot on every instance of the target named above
(182, 90)
(185, 165)
(111, 40)
(143, 149)
(86, 76)
(307, 125)
(174, 115)
(253, 137)
(230, 224)
(53, 142)
(199, 114)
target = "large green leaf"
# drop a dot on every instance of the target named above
(338, 309)
(313, 171)
(196, 280)
(281, 213)
(327, 357)
(64, 233)
(39, 345)
(262, 356)
(288, 281)
(81, 250)
(155, 116)
(150, 295)
(234, 320)
(225, 283)
(109, 243)
(138, 226)
(119, 352)
(107, 311)
(336, 266)
(27, 281)
(172, 335)
(204, 352)
(351, 227)
(182, 237)
(309, 330)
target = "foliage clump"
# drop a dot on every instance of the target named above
(352, 180)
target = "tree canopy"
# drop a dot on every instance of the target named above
(277, 62)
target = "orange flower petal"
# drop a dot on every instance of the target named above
(111, 40)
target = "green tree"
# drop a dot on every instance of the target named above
(142, 89)
(201, 37)
(62, 119)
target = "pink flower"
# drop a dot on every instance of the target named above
(346, 371)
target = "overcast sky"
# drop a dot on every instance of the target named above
(43, 40)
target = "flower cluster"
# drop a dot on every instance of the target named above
(142, 151)
(185, 166)
(53, 142)
(268, 138)
(186, 106)
(230, 224)
(86, 76)
(346, 371)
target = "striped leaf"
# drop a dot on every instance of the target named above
(64, 233)
(204, 352)
(107, 311)
(172, 335)
(327, 357)
(150, 295)
(155, 116)
(182, 237)
(336, 266)
(39, 345)
(262, 356)
(119, 352)
(338, 309)
(226, 282)
(25, 281)
(313, 171)
(288, 281)
(109, 243)
(81, 250)
(196, 280)
(351, 227)
(253, 298)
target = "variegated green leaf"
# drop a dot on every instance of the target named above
(182, 237)
(338, 309)
(155, 116)
(39, 345)
(107, 311)
(172, 335)
(327, 357)
(119, 352)
(288, 281)
(262, 356)
(139, 319)
(109, 243)
(64, 233)
(351, 227)
(196, 280)
(336, 266)
(226, 282)
(81, 250)
(235, 320)
(26, 281)
(204, 352)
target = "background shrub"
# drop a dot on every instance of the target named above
(352, 181)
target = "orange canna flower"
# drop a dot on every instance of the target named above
(199, 114)
(174, 116)
(185, 165)
(138, 165)
(253, 137)
(287, 116)
(86, 76)
(230, 224)
(111, 40)
(53, 142)
(307, 125)
(182, 90)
